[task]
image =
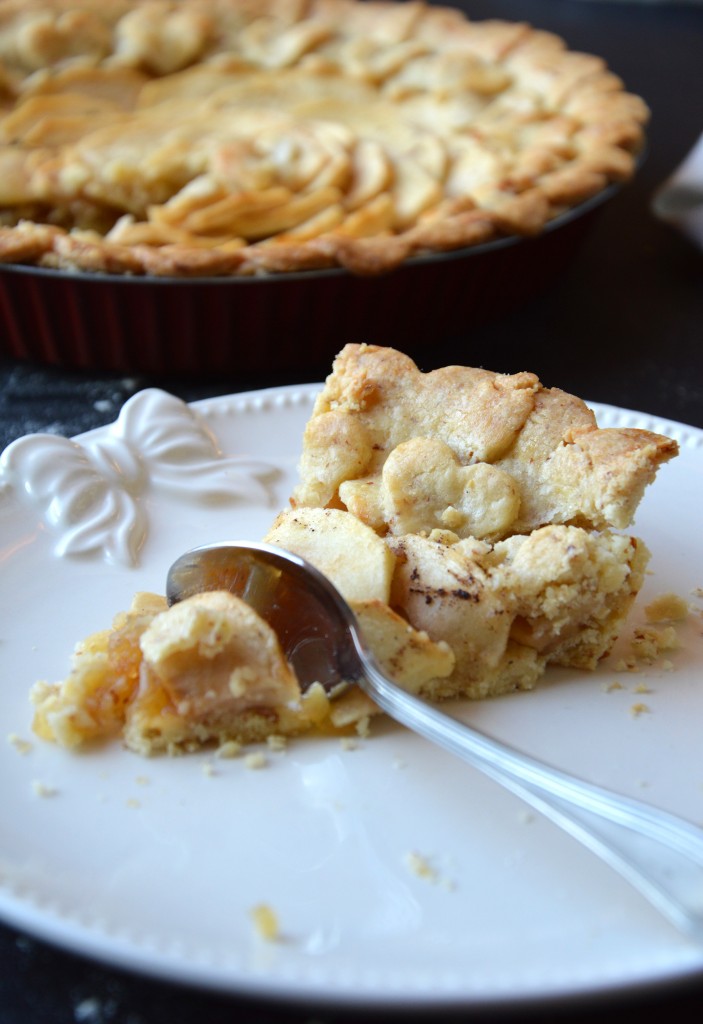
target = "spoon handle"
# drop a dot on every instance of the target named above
(658, 853)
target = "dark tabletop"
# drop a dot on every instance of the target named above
(622, 325)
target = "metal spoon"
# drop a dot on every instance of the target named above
(658, 853)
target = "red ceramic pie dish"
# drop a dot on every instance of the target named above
(284, 322)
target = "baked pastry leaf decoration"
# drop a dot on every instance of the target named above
(482, 454)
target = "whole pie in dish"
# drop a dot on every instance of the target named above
(235, 137)
(473, 520)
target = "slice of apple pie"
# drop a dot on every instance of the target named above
(473, 521)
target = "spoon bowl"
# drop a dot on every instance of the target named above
(314, 624)
(657, 852)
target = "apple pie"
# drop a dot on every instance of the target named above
(475, 523)
(239, 137)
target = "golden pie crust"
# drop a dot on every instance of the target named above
(486, 455)
(237, 137)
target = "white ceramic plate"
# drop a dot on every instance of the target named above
(155, 865)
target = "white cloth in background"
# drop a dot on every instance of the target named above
(679, 201)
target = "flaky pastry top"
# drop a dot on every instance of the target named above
(236, 137)
(477, 453)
